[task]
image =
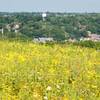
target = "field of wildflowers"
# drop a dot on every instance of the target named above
(31, 71)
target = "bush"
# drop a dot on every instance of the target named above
(89, 44)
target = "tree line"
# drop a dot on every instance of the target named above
(60, 26)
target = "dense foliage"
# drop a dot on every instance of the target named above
(89, 44)
(60, 26)
(48, 72)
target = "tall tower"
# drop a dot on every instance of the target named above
(44, 15)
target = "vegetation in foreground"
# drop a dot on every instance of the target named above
(48, 72)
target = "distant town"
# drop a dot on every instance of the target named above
(46, 26)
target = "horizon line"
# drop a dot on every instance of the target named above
(49, 11)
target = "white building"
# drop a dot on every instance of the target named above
(16, 28)
(43, 39)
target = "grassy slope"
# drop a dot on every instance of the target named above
(36, 72)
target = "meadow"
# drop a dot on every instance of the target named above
(31, 71)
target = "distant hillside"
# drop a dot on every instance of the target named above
(60, 26)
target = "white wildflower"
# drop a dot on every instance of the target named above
(49, 88)
(45, 98)
(58, 87)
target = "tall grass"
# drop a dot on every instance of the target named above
(48, 72)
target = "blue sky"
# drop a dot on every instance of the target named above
(50, 5)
